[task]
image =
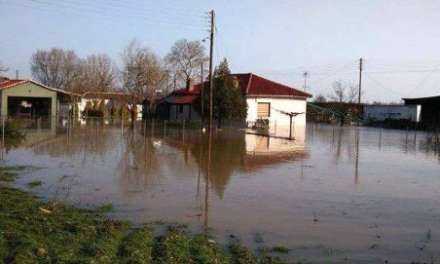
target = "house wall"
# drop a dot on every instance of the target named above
(382, 112)
(83, 102)
(28, 90)
(276, 117)
(279, 123)
(175, 114)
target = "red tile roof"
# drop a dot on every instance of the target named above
(259, 86)
(185, 99)
(9, 83)
(251, 85)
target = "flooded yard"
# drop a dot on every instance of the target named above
(334, 193)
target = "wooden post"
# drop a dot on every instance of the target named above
(183, 130)
(165, 127)
(3, 131)
(211, 78)
(290, 128)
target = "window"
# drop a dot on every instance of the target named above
(263, 110)
(181, 109)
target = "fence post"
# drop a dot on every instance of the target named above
(183, 130)
(122, 126)
(3, 131)
(152, 128)
(164, 127)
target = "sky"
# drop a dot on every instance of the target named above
(278, 39)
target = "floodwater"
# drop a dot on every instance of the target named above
(363, 195)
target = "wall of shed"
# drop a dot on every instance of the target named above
(396, 112)
(189, 112)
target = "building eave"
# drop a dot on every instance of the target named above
(274, 96)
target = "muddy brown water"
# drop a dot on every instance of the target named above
(362, 195)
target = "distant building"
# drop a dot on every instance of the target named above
(110, 101)
(430, 109)
(380, 113)
(27, 98)
(266, 100)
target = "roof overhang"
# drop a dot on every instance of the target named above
(38, 84)
(274, 96)
(421, 100)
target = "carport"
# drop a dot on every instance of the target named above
(25, 98)
(29, 106)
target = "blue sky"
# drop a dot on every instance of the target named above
(278, 39)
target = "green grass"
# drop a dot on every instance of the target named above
(36, 231)
(34, 184)
(105, 208)
(280, 249)
(10, 173)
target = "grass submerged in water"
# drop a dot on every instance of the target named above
(33, 231)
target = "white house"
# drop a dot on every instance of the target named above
(267, 100)
(110, 100)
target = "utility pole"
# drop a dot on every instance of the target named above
(360, 89)
(305, 75)
(202, 93)
(211, 78)
(360, 80)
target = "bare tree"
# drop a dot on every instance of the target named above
(97, 73)
(343, 92)
(185, 59)
(56, 67)
(320, 98)
(144, 73)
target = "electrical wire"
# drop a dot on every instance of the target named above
(67, 7)
(382, 85)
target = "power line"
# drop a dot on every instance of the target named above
(78, 10)
(403, 71)
(140, 10)
(417, 87)
(173, 8)
(382, 85)
(350, 64)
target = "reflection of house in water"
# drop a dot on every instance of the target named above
(266, 151)
(39, 131)
(237, 152)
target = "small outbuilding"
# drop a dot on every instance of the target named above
(383, 112)
(27, 98)
(430, 109)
